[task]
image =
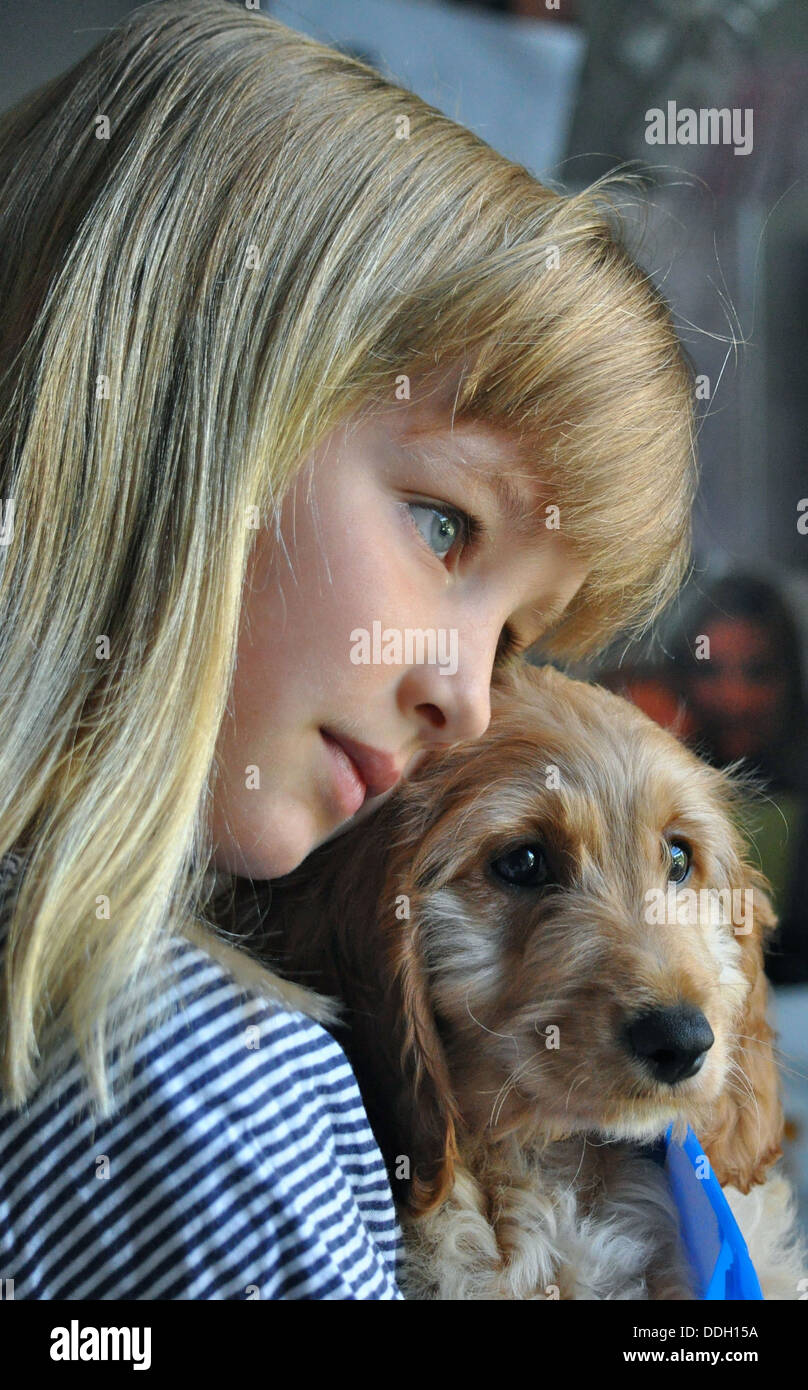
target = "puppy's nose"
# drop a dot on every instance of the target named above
(673, 1042)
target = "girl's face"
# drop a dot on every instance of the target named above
(374, 540)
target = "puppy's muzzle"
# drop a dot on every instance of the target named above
(672, 1043)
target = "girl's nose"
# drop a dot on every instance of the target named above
(456, 705)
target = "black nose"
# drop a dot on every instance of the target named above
(672, 1042)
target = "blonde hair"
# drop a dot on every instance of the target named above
(267, 236)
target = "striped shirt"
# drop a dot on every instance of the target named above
(229, 1170)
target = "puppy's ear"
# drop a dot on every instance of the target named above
(745, 1136)
(348, 924)
(419, 1098)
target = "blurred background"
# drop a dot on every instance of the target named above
(565, 87)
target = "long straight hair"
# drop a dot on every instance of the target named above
(218, 240)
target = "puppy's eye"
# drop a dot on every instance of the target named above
(524, 867)
(679, 858)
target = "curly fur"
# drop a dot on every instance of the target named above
(518, 1165)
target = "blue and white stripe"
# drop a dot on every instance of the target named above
(232, 1171)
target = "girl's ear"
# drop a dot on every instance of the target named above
(745, 1136)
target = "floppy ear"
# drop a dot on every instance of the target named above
(410, 1089)
(745, 1135)
(347, 923)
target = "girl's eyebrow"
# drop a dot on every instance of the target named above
(512, 502)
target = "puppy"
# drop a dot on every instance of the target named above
(536, 983)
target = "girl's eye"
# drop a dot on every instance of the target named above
(679, 858)
(441, 528)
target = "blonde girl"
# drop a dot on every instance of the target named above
(285, 353)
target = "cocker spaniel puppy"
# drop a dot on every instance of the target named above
(549, 946)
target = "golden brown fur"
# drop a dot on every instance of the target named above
(492, 1122)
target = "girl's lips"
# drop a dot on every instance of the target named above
(350, 788)
(379, 770)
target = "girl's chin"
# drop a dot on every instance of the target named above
(273, 857)
(372, 804)
(285, 858)
(275, 853)
(340, 830)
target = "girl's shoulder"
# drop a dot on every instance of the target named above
(188, 1026)
(239, 1149)
(186, 1020)
(224, 1018)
